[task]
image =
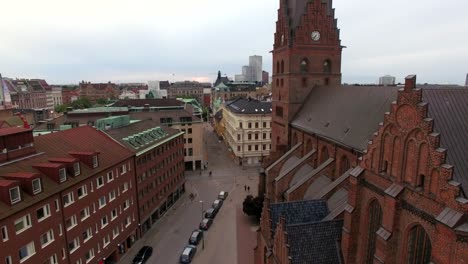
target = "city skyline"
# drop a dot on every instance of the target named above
(121, 42)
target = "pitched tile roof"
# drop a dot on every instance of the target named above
(316, 243)
(298, 212)
(149, 102)
(345, 114)
(449, 109)
(12, 130)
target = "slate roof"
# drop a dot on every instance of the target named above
(345, 114)
(449, 109)
(317, 243)
(298, 212)
(249, 106)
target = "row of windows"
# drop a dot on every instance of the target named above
(156, 198)
(254, 147)
(190, 152)
(304, 66)
(159, 151)
(158, 168)
(249, 124)
(147, 189)
(255, 136)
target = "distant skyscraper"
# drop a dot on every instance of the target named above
(265, 77)
(387, 80)
(466, 81)
(255, 63)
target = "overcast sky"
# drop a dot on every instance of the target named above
(122, 41)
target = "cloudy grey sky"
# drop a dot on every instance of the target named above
(101, 40)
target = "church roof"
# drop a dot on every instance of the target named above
(298, 212)
(315, 242)
(449, 109)
(345, 114)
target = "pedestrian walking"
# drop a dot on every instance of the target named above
(248, 188)
(245, 187)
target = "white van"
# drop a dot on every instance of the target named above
(223, 195)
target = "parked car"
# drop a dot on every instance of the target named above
(210, 213)
(217, 204)
(196, 236)
(143, 255)
(206, 223)
(222, 195)
(188, 253)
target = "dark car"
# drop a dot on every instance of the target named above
(206, 223)
(211, 213)
(188, 253)
(196, 236)
(217, 204)
(143, 255)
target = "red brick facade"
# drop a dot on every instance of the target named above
(299, 62)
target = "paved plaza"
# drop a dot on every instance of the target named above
(232, 236)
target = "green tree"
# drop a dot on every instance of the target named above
(61, 108)
(102, 101)
(253, 206)
(81, 103)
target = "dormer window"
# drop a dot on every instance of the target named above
(62, 175)
(95, 161)
(76, 168)
(36, 186)
(15, 195)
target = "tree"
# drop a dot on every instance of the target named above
(253, 206)
(81, 103)
(101, 101)
(61, 108)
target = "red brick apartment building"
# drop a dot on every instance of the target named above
(358, 174)
(95, 91)
(66, 197)
(159, 152)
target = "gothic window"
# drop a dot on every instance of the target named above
(294, 139)
(282, 66)
(277, 82)
(375, 221)
(308, 146)
(304, 66)
(282, 82)
(324, 154)
(419, 246)
(327, 66)
(277, 67)
(344, 165)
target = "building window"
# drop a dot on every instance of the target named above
(264, 124)
(15, 195)
(82, 191)
(47, 238)
(279, 111)
(190, 131)
(327, 66)
(238, 148)
(249, 148)
(256, 136)
(324, 156)
(304, 65)
(256, 147)
(125, 187)
(4, 234)
(110, 175)
(95, 161)
(102, 201)
(74, 244)
(89, 255)
(264, 147)
(419, 246)
(250, 125)
(115, 232)
(36, 186)
(190, 140)
(264, 135)
(85, 213)
(238, 137)
(190, 150)
(87, 234)
(240, 124)
(249, 136)
(105, 241)
(344, 165)
(68, 199)
(99, 182)
(126, 204)
(104, 222)
(282, 66)
(8, 260)
(256, 124)
(22, 223)
(113, 214)
(70, 222)
(111, 195)
(76, 168)
(62, 174)
(43, 212)
(375, 221)
(52, 259)
(27, 251)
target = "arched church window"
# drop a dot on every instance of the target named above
(277, 67)
(277, 82)
(324, 155)
(304, 65)
(282, 66)
(327, 66)
(419, 246)
(344, 165)
(375, 221)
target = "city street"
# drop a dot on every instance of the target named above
(231, 238)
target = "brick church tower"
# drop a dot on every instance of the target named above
(306, 52)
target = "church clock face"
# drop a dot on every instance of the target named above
(315, 35)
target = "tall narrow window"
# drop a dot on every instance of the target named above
(325, 155)
(344, 165)
(282, 66)
(375, 221)
(304, 66)
(419, 246)
(327, 66)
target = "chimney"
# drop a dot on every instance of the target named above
(410, 82)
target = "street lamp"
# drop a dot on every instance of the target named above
(203, 237)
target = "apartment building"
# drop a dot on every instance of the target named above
(159, 166)
(247, 129)
(66, 197)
